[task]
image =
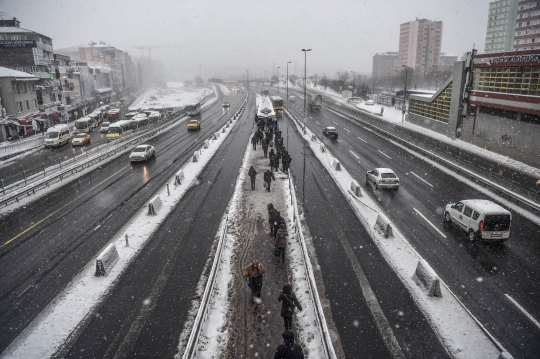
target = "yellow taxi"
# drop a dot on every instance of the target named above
(80, 139)
(194, 125)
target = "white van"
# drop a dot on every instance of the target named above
(104, 127)
(481, 219)
(56, 136)
(292, 98)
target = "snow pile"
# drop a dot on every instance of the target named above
(170, 97)
(458, 331)
(224, 89)
(52, 327)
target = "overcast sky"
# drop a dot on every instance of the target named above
(228, 37)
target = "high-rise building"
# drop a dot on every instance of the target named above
(446, 62)
(500, 26)
(526, 35)
(384, 65)
(420, 45)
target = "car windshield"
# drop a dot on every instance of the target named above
(51, 135)
(80, 135)
(140, 149)
(115, 130)
(105, 124)
(81, 125)
(193, 122)
(388, 175)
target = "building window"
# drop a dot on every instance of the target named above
(19, 107)
(27, 105)
(513, 80)
(24, 90)
(34, 103)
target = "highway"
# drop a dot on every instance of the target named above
(45, 244)
(488, 278)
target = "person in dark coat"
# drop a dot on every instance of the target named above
(278, 221)
(285, 161)
(268, 177)
(252, 174)
(274, 163)
(281, 242)
(272, 215)
(288, 303)
(265, 148)
(271, 153)
(253, 273)
(289, 350)
(254, 141)
(269, 136)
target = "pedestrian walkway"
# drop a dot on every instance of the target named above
(255, 329)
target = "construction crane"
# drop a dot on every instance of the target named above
(150, 47)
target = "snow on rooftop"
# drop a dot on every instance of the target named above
(13, 29)
(6, 72)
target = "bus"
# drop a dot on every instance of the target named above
(130, 115)
(277, 102)
(113, 115)
(140, 122)
(84, 125)
(96, 118)
(120, 129)
(194, 109)
(265, 109)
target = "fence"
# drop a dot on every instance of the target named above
(15, 147)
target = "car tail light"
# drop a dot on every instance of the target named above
(510, 228)
(381, 181)
(480, 226)
(396, 180)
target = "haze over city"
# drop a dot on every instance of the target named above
(226, 38)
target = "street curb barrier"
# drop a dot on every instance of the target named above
(106, 260)
(425, 277)
(196, 156)
(154, 205)
(223, 129)
(179, 177)
(227, 125)
(336, 165)
(505, 355)
(355, 187)
(383, 227)
(314, 138)
(215, 136)
(323, 148)
(206, 144)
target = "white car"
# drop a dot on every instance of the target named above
(142, 153)
(104, 127)
(370, 102)
(383, 178)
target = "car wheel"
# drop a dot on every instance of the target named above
(447, 217)
(376, 186)
(472, 235)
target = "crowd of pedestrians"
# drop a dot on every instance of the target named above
(268, 136)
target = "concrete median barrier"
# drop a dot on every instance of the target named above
(223, 129)
(206, 144)
(383, 227)
(106, 260)
(425, 277)
(196, 155)
(154, 205)
(323, 148)
(215, 136)
(355, 188)
(314, 138)
(179, 177)
(336, 165)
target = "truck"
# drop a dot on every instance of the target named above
(314, 102)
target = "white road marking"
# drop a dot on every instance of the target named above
(362, 139)
(431, 224)
(421, 179)
(354, 154)
(523, 310)
(384, 154)
(334, 122)
(346, 130)
(317, 123)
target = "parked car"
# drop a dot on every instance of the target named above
(226, 105)
(80, 139)
(330, 132)
(481, 219)
(194, 125)
(104, 127)
(383, 178)
(370, 102)
(142, 153)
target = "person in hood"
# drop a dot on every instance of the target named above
(252, 174)
(278, 221)
(253, 273)
(254, 141)
(289, 303)
(289, 350)
(272, 215)
(268, 177)
(265, 148)
(281, 242)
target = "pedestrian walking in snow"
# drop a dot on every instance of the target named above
(268, 177)
(289, 303)
(278, 222)
(254, 141)
(285, 161)
(272, 215)
(253, 273)
(252, 174)
(274, 163)
(289, 350)
(281, 242)
(265, 148)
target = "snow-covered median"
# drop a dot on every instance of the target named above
(68, 311)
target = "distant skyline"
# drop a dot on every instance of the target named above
(227, 38)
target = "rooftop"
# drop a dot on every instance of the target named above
(7, 72)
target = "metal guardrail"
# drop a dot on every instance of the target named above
(21, 145)
(84, 160)
(458, 168)
(313, 292)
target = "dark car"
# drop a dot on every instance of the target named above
(226, 104)
(330, 132)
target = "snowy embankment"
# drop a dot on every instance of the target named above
(74, 306)
(458, 331)
(311, 321)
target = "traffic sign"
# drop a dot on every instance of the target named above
(403, 112)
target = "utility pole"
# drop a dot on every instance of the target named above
(278, 80)
(304, 144)
(247, 80)
(404, 108)
(288, 94)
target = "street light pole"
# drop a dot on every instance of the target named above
(288, 90)
(305, 75)
(304, 144)
(264, 79)
(247, 80)
(404, 108)
(352, 83)
(278, 80)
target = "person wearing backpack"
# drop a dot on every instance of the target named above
(288, 304)
(289, 350)
(281, 242)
